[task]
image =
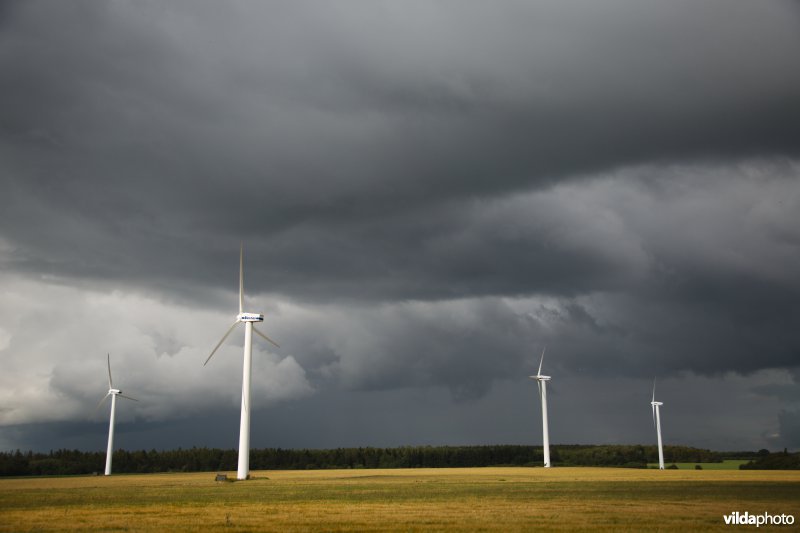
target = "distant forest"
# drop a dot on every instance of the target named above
(72, 462)
(774, 461)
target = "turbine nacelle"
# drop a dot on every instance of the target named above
(114, 391)
(250, 317)
(656, 404)
(540, 378)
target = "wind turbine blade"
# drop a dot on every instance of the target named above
(541, 361)
(241, 278)
(110, 383)
(539, 385)
(265, 337)
(128, 397)
(101, 401)
(221, 341)
(653, 402)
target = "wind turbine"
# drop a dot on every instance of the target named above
(113, 393)
(243, 470)
(657, 422)
(541, 381)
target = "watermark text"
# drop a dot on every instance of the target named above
(764, 519)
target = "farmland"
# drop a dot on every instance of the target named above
(497, 499)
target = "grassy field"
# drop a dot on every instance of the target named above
(728, 464)
(483, 499)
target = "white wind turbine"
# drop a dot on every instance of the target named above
(243, 470)
(113, 393)
(657, 422)
(541, 381)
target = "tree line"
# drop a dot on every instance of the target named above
(72, 462)
(773, 461)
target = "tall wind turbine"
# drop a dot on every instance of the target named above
(243, 470)
(113, 393)
(541, 381)
(657, 422)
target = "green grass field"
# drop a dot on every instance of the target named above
(483, 499)
(728, 464)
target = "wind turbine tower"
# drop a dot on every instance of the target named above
(541, 381)
(113, 393)
(243, 470)
(657, 422)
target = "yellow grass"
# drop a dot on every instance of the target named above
(470, 499)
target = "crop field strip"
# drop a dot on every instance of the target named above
(729, 464)
(489, 499)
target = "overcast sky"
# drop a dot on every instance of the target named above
(428, 193)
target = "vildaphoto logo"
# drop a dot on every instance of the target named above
(764, 519)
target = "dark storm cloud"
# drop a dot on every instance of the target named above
(463, 346)
(153, 124)
(789, 422)
(428, 193)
